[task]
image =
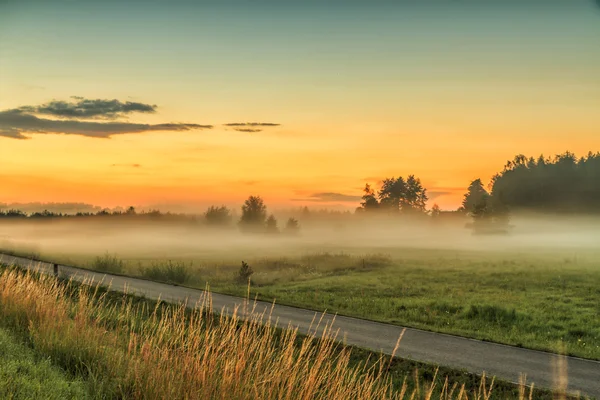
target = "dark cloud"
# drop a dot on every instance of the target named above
(251, 124)
(13, 123)
(329, 197)
(89, 108)
(250, 127)
(127, 165)
(249, 130)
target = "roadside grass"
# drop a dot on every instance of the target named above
(174, 272)
(128, 346)
(24, 376)
(543, 301)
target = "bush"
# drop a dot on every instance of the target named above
(108, 263)
(171, 272)
(245, 273)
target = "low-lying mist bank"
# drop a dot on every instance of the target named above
(527, 233)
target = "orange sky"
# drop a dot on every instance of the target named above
(360, 95)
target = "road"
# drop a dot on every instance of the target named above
(504, 362)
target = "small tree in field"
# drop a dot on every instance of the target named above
(245, 272)
(292, 227)
(254, 214)
(271, 224)
(435, 211)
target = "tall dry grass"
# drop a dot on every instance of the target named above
(127, 351)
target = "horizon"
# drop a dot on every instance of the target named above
(300, 103)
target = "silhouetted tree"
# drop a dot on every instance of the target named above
(369, 199)
(254, 214)
(435, 211)
(244, 273)
(271, 224)
(398, 195)
(392, 193)
(475, 202)
(292, 227)
(218, 216)
(562, 184)
(415, 198)
(130, 211)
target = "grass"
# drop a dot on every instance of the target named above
(108, 263)
(541, 301)
(169, 272)
(24, 376)
(130, 347)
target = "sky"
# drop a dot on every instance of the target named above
(302, 103)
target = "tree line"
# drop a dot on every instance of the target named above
(563, 183)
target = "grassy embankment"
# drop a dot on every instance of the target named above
(127, 347)
(26, 376)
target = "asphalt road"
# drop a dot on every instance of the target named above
(504, 362)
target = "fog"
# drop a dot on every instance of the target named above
(153, 239)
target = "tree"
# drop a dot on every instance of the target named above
(217, 216)
(475, 202)
(369, 199)
(245, 273)
(400, 195)
(271, 224)
(392, 193)
(254, 214)
(415, 198)
(435, 211)
(565, 183)
(292, 227)
(130, 211)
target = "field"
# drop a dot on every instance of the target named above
(121, 346)
(541, 294)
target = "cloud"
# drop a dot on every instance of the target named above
(330, 197)
(127, 165)
(89, 108)
(263, 124)
(434, 194)
(249, 130)
(250, 127)
(13, 123)
(249, 182)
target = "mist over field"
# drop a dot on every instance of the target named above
(529, 233)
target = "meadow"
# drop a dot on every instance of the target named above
(538, 290)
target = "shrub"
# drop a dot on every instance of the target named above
(108, 263)
(245, 272)
(171, 272)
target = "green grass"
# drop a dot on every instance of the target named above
(546, 301)
(25, 376)
(402, 372)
